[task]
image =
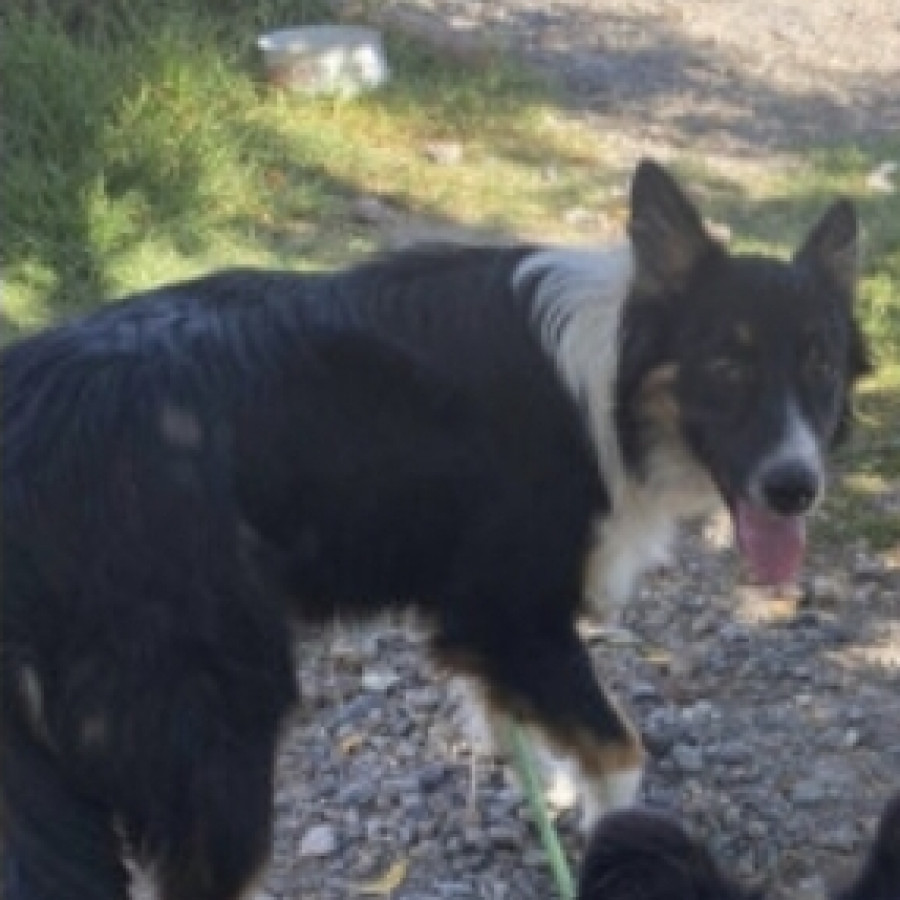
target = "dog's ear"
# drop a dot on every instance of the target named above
(833, 246)
(880, 875)
(666, 231)
(638, 855)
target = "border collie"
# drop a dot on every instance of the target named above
(496, 437)
(639, 855)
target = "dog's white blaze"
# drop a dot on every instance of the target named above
(798, 444)
(579, 302)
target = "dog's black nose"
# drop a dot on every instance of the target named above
(790, 488)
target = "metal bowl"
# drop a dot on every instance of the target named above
(325, 59)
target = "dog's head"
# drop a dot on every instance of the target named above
(879, 878)
(639, 855)
(755, 357)
(636, 854)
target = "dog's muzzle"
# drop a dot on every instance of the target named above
(770, 520)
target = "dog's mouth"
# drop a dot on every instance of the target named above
(772, 545)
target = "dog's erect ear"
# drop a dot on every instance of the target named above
(880, 875)
(666, 231)
(638, 855)
(833, 246)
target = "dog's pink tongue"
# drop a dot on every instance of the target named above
(773, 545)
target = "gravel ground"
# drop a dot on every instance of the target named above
(773, 725)
(739, 77)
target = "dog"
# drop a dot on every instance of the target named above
(496, 437)
(640, 855)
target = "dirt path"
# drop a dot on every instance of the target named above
(774, 728)
(738, 76)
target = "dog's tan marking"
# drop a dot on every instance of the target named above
(611, 774)
(658, 404)
(607, 772)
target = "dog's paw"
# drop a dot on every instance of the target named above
(613, 791)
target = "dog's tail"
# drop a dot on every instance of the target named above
(57, 844)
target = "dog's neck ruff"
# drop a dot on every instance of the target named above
(578, 298)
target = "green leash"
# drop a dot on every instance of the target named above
(524, 762)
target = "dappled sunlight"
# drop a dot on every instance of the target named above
(758, 606)
(26, 308)
(881, 654)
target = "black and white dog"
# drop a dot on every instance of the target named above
(639, 855)
(493, 436)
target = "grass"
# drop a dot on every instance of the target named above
(145, 147)
(140, 145)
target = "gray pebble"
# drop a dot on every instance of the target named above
(320, 840)
(688, 758)
(808, 792)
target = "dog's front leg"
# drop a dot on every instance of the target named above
(544, 679)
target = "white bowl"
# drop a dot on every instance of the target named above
(325, 59)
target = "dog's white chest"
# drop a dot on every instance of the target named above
(626, 546)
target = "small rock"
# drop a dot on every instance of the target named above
(828, 587)
(661, 730)
(811, 888)
(865, 592)
(688, 758)
(733, 631)
(807, 792)
(379, 680)
(357, 708)
(320, 840)
(355, 794)
(504, 836)
(432, 776)
(444, 153)
(699, 711)
(842, 838)
(731, 753)
(644, 690)
(423, 699)
(757, 830)
(704, 624)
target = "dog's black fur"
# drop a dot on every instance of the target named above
(184, 471)
(640, 855)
